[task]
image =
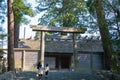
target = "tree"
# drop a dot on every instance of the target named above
(10, 36)
(67, 13)
(60, 14)
(3, 11)
(2, 37)
(64, 13)
(113, 21)
(20, 9)
(110, 57)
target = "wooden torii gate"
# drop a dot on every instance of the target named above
(44, 29)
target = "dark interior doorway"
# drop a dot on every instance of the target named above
(63, 61)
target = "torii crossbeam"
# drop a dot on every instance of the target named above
(57, 29)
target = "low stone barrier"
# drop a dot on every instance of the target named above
(108, 75)
(8, 76)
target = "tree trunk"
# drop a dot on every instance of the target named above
(16, 35)
(10, 37)
(109, 55)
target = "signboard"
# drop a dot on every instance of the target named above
(57, 29)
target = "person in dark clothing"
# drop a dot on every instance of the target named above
(39, 65)
(46, 70)
(40, 70)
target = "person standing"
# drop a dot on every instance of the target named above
(40, 70)
(46, 70)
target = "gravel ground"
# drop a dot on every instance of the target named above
(58, 76)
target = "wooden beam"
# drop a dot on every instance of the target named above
(59, 37)
(58, 29)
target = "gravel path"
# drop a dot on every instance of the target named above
(59, 76)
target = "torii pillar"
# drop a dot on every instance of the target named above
(75, 60)
(42, 48)
(44, 29)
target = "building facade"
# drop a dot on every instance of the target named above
(59, 54)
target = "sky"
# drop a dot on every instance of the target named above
(28, 31)
(33, 21)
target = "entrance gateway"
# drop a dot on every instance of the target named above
(44, 29)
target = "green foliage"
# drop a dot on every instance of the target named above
(105, 35)
(1, 52)
(20, 10)
(90, 5)
(3, 36)
(3, 6)
(37, 35)
(63, 13)
(2, 66)
(3, 11)
(116, 42)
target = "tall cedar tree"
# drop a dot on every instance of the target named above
(10, 37)
(109, 54)
(20, 8)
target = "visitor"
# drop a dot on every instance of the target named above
(40, 70)
(46, 70)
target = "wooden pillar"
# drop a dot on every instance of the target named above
(42, 48)
(23, 60)
(75, 61)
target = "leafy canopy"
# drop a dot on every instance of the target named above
(20, 10)
(66, 13)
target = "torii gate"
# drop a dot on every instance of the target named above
(44, 29)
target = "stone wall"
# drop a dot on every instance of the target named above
(90, 61)
(27, 60)
(8, 76)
